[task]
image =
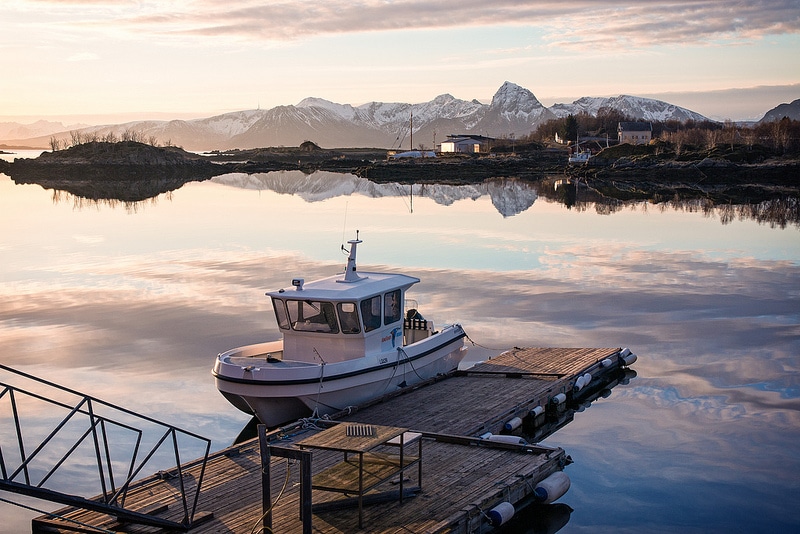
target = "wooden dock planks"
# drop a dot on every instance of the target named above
(461, 481)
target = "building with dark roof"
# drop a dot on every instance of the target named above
(466, 143)
(635, 133)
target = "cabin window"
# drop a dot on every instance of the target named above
(312, 316)
(280, 313)
(371, 313)
(391, 307)
(348, 317)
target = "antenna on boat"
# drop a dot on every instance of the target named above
(350, 274)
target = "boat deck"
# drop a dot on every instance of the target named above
(463, 476)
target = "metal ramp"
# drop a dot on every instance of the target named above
(52, 436)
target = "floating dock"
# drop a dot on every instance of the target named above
(467, 461)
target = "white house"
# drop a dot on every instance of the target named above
(469, 144)
(635, 133)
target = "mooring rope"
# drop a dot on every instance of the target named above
(482, 346)
(272, 505)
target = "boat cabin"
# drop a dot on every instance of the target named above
(347, 316)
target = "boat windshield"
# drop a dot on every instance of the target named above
(311, 316)
(317, 316)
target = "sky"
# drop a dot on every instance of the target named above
(100, 61)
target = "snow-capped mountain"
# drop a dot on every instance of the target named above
(636, 107)
(513, 111)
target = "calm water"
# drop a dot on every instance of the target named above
(131, 302)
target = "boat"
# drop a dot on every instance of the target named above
(581, 156)
(346, 339)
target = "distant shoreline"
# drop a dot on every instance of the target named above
(624, 172)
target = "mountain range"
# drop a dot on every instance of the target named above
(513, 111)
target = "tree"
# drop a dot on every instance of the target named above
(570, 128)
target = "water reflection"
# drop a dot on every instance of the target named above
(509, 196)
(782, 209)
(110, 190)
(538, 519)
(132, 308)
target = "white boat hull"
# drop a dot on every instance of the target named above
(279, 391)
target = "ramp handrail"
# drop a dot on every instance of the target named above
(87, 416)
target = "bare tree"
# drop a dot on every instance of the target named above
(712, 138)
(75, 137)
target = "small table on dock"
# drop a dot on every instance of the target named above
(373, 467)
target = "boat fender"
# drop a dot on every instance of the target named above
(629, 359)
(624, 352)
(587, 379)
(513, 423)
(579, 383)
(501, 513)
(536, 412)
(551, 488)
(486, 435)
(561, 398)
(505, 438)
(606, 363)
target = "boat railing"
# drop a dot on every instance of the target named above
(50, 432)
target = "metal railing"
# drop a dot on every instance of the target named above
(72, 431)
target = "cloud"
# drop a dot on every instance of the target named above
(83, 56)
(641, 24)
(580, 23)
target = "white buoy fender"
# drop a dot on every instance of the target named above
(629, 359)
(536, 412)
(587, 378)
(501, 513)
(606, 363)
(624, 352)
(513, 423)
(561, 398)
(551, 488)
(579, 383)
(504, 438)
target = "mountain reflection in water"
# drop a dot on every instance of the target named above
(508, 195)
(132, 307)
